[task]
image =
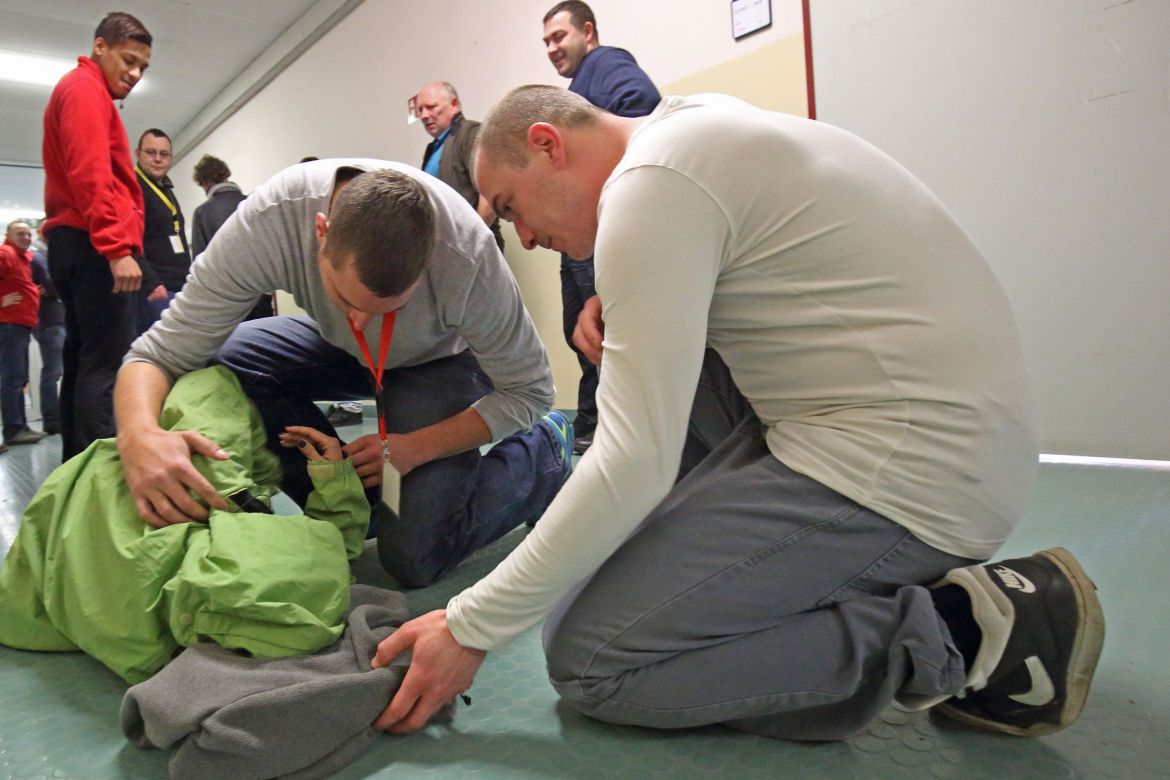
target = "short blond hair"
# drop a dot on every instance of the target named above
(504, 131)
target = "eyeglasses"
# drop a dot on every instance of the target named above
(161, 154)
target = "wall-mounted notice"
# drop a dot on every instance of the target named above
(749, 16)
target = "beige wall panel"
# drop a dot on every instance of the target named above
(771, 77)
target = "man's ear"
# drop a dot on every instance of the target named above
(321, 225)
(590, 32)
(545, 140)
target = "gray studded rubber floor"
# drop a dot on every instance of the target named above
(58, 712)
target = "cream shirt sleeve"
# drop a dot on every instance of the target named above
(660, 244)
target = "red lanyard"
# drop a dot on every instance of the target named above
(384, 351)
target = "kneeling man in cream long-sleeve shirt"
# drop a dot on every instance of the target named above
(814, 426)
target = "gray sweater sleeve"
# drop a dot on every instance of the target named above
(244, 261)
(503, 338)
(474, 295)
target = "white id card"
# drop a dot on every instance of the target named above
(177, 244)
(391, 485)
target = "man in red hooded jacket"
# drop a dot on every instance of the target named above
(19, 301)
(94, 223)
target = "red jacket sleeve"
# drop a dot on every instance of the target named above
(8, 264)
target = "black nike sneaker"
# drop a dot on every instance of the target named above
(1042, 635)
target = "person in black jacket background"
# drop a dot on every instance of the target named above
(164, 242)
(223, 196)
(609, 78)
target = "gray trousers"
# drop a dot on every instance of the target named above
(753, 596)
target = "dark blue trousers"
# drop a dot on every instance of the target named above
(13, 375)
(99, 328)
(577, 287)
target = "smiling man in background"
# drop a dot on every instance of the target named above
(94, 223)
(609, 78)
(19, 302)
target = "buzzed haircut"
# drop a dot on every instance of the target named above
(384, 223)
(119, 26)
(579, 14)
(154, 131)
(210, 170)
(16, 222)
(504, 132)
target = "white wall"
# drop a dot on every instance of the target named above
(1045, 126)
(346, 96)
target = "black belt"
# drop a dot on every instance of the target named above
(249, 503)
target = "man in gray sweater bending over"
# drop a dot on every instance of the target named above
(364, 246)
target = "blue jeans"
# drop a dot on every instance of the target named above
(147, 313)
(577, 286)
(450, 507)
(753, 596)
(13, 376)
(51, 340)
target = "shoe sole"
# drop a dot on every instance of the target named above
(343, 421)
(1086, 652)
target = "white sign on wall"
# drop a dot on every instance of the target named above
(749, 16)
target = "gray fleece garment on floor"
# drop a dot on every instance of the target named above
(230, 715)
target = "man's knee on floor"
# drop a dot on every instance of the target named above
(573, 666)
(587, 694)
(407, 566)
(231, 353)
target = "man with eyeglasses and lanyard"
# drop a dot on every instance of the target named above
(164, 243)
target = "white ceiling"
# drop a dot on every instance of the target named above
(208, 57)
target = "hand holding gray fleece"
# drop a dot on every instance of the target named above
(228, 715)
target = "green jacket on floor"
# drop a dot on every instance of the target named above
(86, 573)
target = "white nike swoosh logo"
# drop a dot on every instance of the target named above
(1014, 580)
(1042, 691)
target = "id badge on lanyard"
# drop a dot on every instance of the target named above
(391, 479)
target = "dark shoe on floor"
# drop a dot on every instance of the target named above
(3, 447)
(25, 437)
(338, 415)
(1042, 635)
(582, 443)
(51, 428)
